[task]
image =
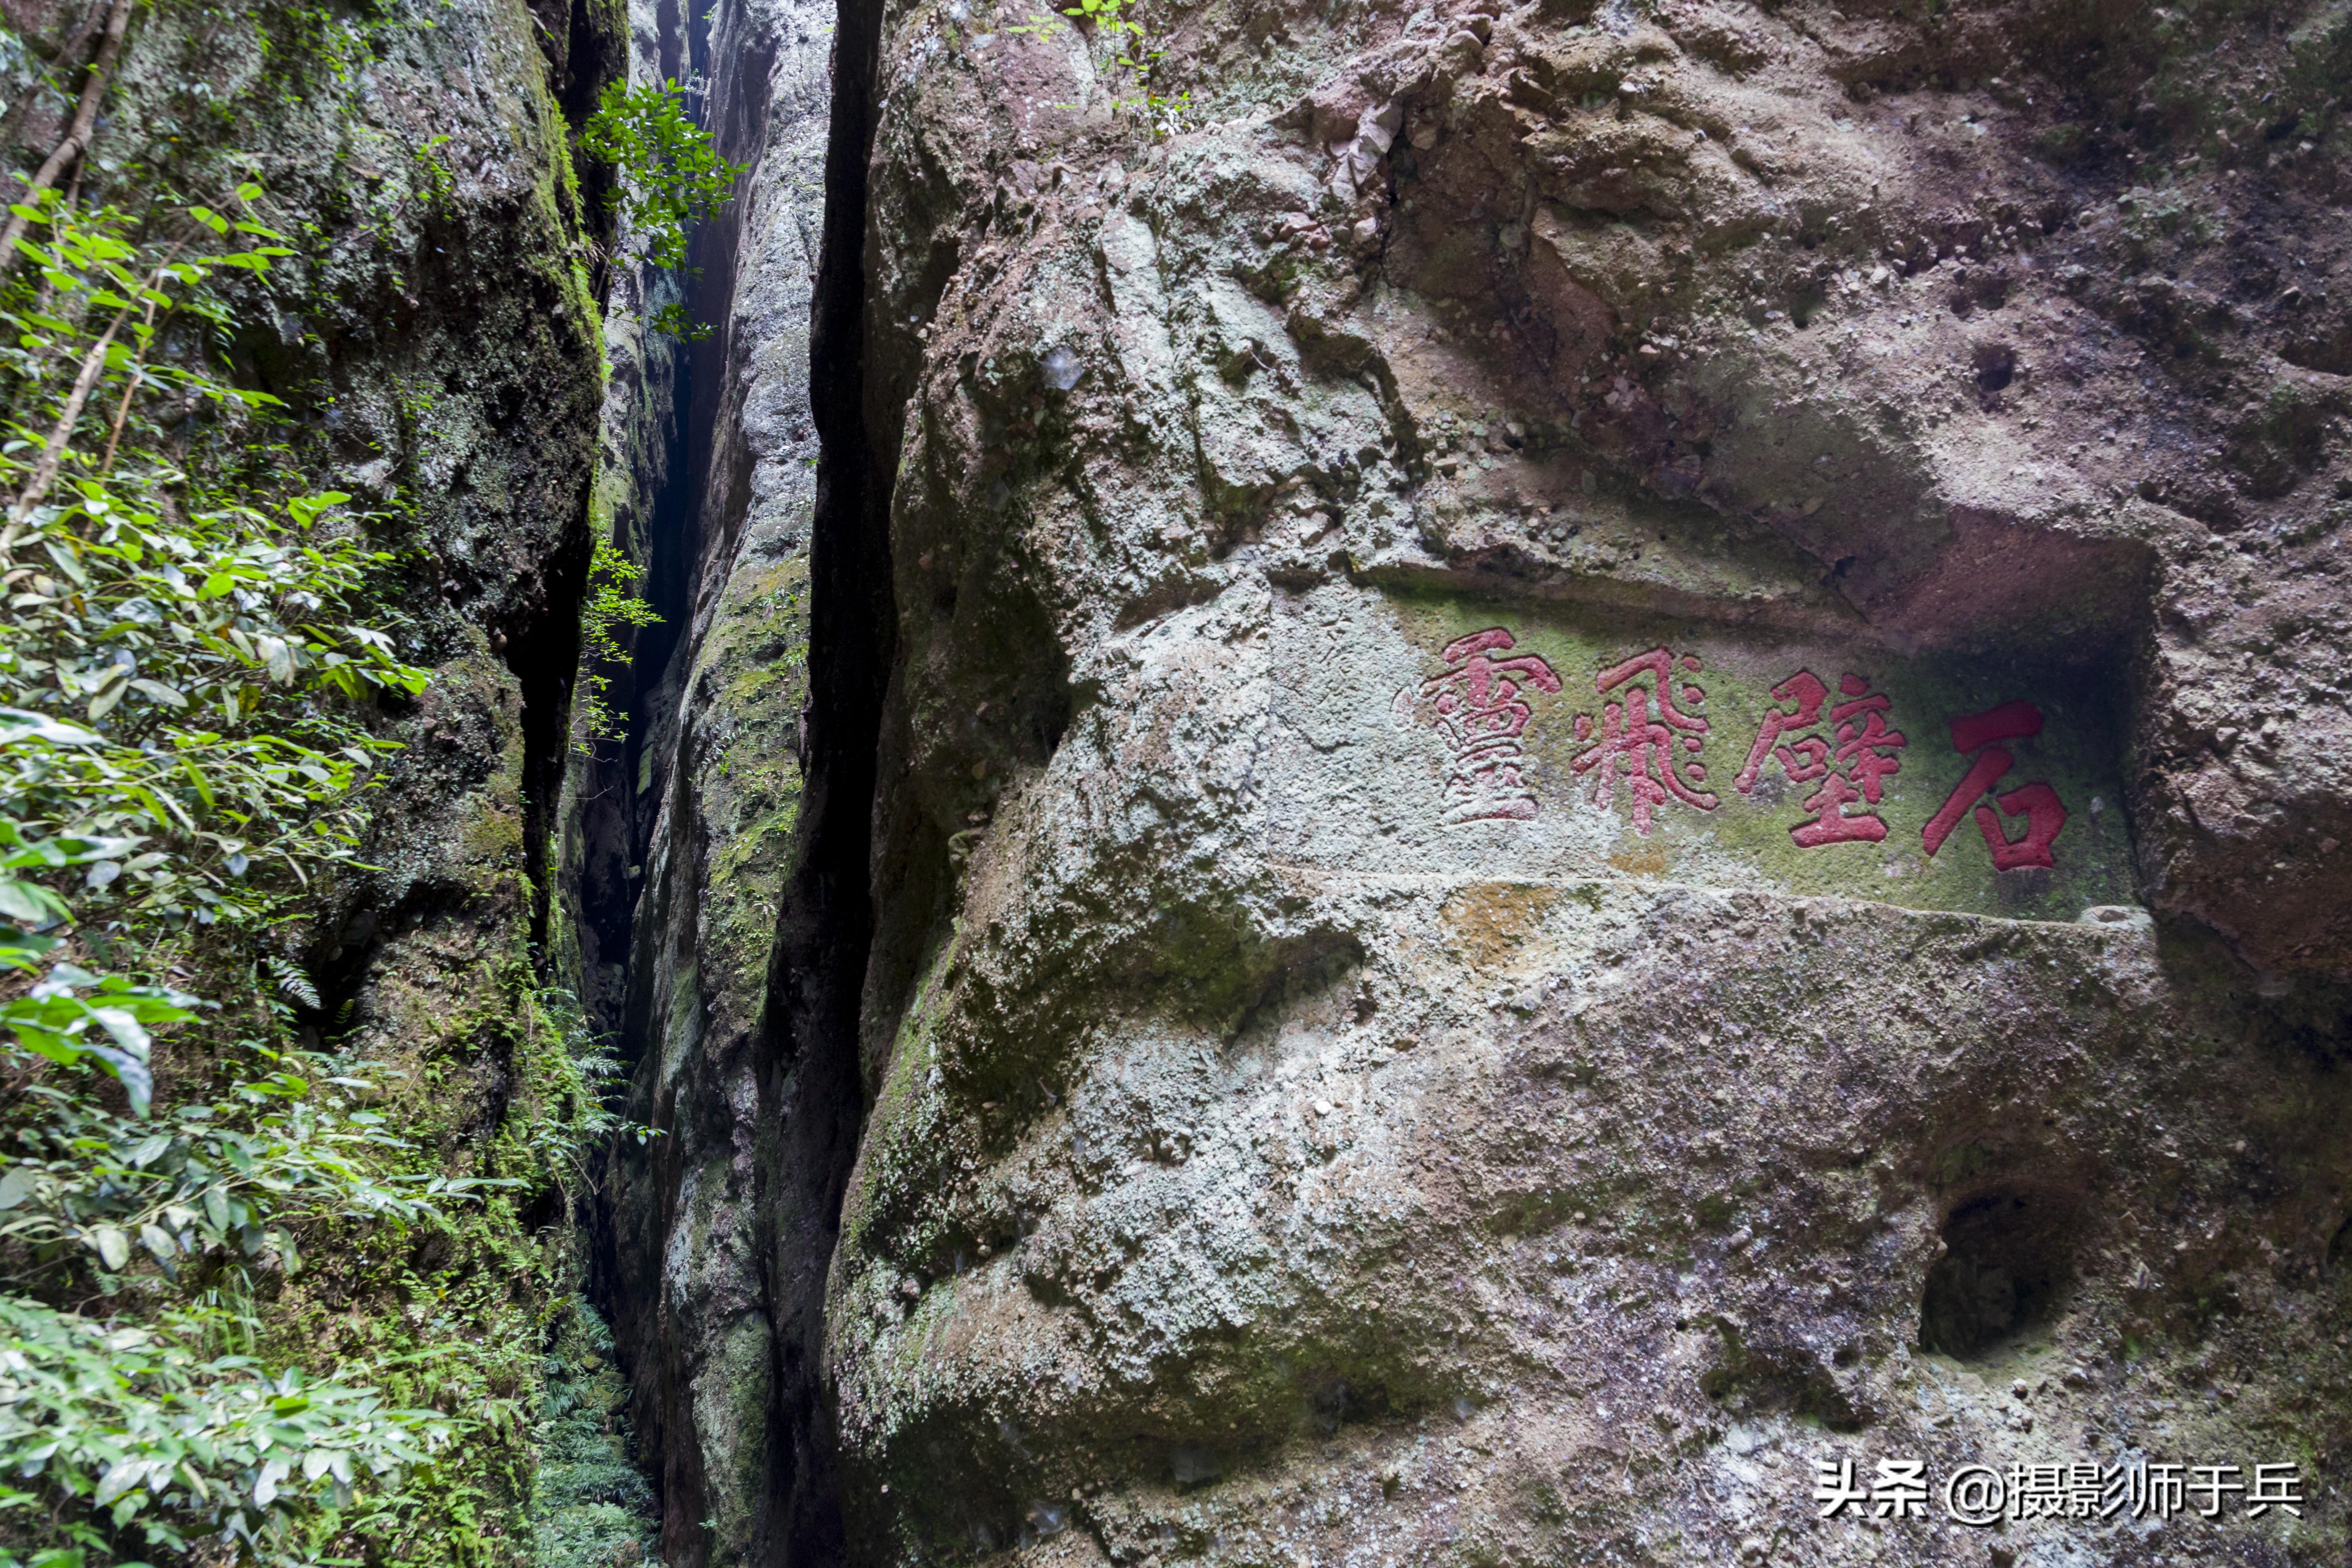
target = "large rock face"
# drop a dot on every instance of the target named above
(1609, 774)
(1614, 768)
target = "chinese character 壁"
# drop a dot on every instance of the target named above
(1852, 767)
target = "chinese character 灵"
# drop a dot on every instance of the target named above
(1480, 709)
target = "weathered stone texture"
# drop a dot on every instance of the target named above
(1242, 1187)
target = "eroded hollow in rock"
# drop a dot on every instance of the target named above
(2008, 1259)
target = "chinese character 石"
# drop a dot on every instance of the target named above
(1481, 711)
(2037, 1491)
(1645, 728)
(2213, 1486)
(1833, 1487)
(1855, 770)
(2037, 802)
(1900, 1489)
(2276, 1485)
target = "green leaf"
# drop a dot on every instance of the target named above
(120, 1023)
(29, 904)
(156, 691)
(113, 1246)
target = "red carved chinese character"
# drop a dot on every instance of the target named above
(1479, 710)
(1639, 740)
(1803, 688)
(1856, 771)
(2045, 815)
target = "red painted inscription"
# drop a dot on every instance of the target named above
(1850, 768)
(1481, 710)
(2044, 814)
(1640, 735)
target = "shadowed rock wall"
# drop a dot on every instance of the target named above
(695, 836)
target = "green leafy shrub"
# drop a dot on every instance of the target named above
(670, 170)
(195, 660)
(613, 603)
(128, 1433)
(167, 646)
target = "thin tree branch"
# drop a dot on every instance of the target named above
(121, 413)
(77, 141)
(53, 455)
(138, 374)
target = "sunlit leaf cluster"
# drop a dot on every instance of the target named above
(670, 170)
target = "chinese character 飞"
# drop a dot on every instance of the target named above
(1639, 734)
(1481, 710)
(1852, 771)
(2037, 802)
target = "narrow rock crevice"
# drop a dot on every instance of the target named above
(719, 859)
(810, 1089)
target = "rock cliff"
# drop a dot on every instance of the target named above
(1556, 766)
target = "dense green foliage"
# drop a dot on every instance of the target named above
(590, 1505)
(276, 1276)
(151, 1436)
(670, 171)
(184, 680)
(193, 667)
